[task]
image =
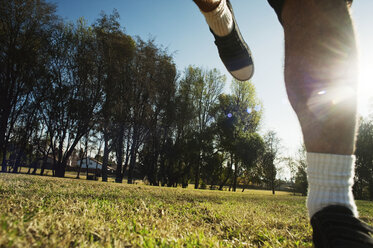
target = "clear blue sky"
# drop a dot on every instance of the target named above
(179, 26)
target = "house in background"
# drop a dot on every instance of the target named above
(94, 166)
(92, 163)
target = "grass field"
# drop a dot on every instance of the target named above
(55, 212)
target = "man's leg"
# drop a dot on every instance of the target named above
(321, 72)
(321, 83)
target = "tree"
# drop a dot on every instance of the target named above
(363, 187)
(205, 88)
(248, 149)
(23, 131)
(115, 51)
(301, 184)
(25, 29)
(183, 138)
(161, 90)
(153, 76)
(292, 166)
(237, 119)
(74, 92)
(197, 94)
(269, 159)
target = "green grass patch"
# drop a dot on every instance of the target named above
(57, 212)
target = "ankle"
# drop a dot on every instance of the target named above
(220, 20)
(207, 5)
(330, 180)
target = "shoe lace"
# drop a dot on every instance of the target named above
(231, 45)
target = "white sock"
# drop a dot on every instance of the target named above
(220, 19)
(330, 180)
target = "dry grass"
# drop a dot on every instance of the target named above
(52, 212)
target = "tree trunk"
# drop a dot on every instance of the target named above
(119, 153)
(154, 160)
(197, 172)
(126, 161)
(18, 161)
(229, 174)
(106, 156)
(86, 155)
(60, 170)
(3, 164)
(132, 164)
(196, 177)
(160, 178)
(80, 168)
(235, 176)
(134, 147)
(54, 167)
(43, 164)
(35, 164)
(86, 166)
(3, 127)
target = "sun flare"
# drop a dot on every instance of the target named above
(365, 90)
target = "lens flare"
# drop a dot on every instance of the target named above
(322, 102)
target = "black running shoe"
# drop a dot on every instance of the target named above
(234, 52)
(336, 226)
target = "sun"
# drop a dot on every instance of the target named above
(365, 88)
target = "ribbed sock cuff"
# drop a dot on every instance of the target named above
(330, 180)
(220, 19)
